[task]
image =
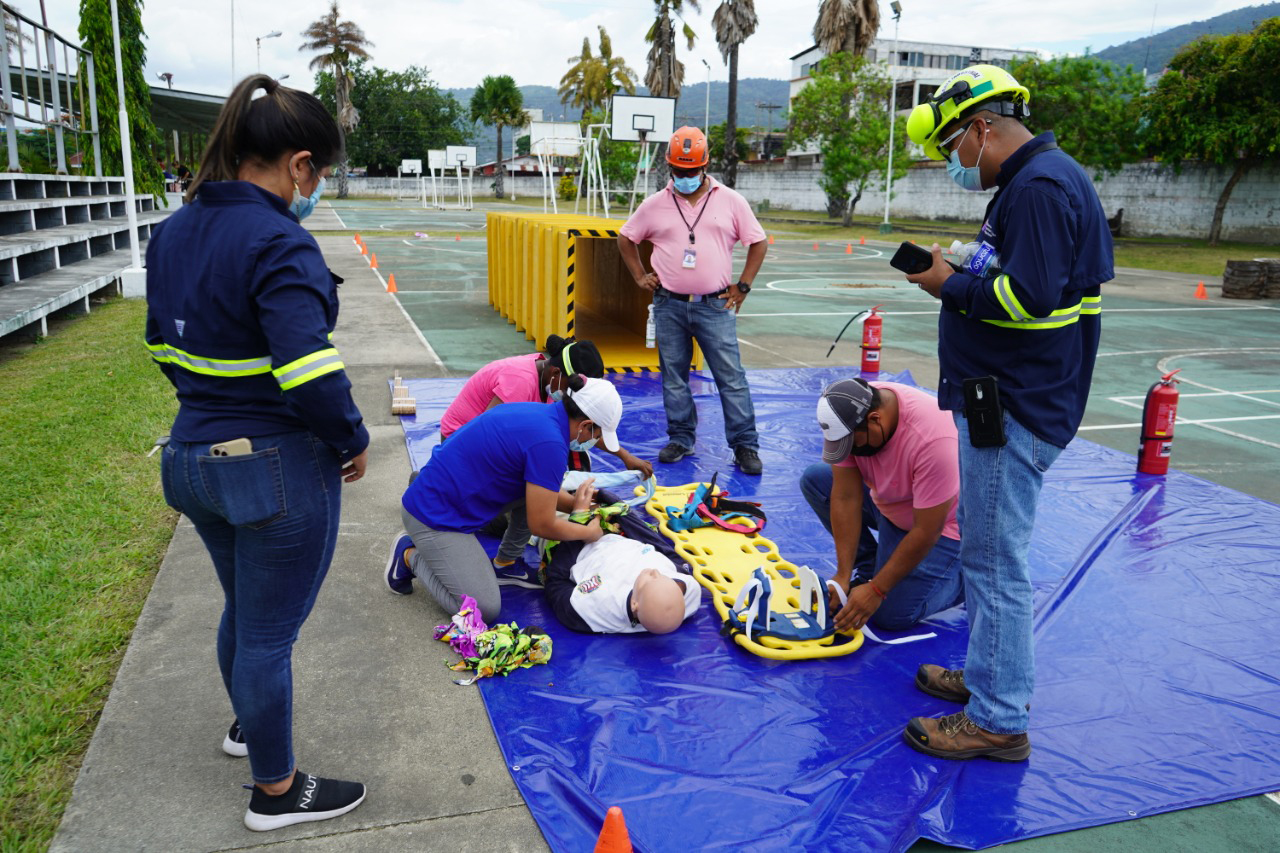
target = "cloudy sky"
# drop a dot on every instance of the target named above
(460, 41)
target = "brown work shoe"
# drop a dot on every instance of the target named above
(944, 683)
(956, 737)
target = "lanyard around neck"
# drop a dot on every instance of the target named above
(705, 200)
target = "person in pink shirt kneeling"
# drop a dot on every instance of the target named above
(892, 464)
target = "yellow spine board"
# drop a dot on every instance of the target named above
(723, 561)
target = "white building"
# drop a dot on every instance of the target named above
(919, 68)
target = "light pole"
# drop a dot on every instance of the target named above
(769, 135)
(274, 34)
(893, 114)
(706, 117)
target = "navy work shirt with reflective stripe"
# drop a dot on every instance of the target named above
(1035, 327)
(240, 307)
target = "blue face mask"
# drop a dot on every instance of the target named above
(302, 207)
(554, 396)
(579, 446)
(967, 177)
(687, 186)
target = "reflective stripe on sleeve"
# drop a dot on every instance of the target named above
(302, 370)
(1003, 288)
(166, 354)
(1056, 320)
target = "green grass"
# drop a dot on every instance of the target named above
(83, 528)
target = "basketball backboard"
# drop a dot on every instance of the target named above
(555, 138)
(411, 167)
(632, 114)
(460, 155)
(436, 160)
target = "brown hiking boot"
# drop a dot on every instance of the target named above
(956, 737)
(944, 683)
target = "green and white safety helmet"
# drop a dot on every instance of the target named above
(978, 87)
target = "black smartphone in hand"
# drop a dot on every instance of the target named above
(983, 411)
(913, 259)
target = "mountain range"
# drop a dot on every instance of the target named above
(1154, 52)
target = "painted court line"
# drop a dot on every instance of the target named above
(1180, 421)
(412, 325)
(774, 353)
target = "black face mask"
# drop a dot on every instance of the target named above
(869, 449)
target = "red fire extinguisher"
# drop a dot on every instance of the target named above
(871, 336)
(1159, 412)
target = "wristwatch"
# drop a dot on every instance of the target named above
(744, 287)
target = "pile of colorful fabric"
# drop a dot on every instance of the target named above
(501, 649)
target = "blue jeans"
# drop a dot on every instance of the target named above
(676, 326)
(933, 585)
(999, 488)
(269, 520)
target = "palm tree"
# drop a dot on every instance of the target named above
(846, 25)
(592, 80)
(340, 41)
(735, 21)
(497, 101)
(665, 73)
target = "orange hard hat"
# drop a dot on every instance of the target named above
(687, 149)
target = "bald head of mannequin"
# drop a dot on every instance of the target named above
(658, 602)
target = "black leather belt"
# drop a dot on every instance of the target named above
(693, 297)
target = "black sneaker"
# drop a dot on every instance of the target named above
(748, 460)
(672, 453)
(233, 744)
(308, 798)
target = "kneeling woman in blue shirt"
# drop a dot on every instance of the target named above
(510, 455)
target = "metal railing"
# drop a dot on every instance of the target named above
(47, 81)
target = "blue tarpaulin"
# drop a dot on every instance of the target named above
(1157, 679)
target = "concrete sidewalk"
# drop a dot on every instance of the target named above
(373, 699)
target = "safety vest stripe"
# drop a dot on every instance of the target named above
(308, 367)
(1004, 293)
(166, 354)
(1056, 320)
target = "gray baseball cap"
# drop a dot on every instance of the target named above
(842, 408)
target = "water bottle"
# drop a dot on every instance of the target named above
(650, 338)
(978, 259)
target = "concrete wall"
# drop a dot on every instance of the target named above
(525, 186)
(1156, 201)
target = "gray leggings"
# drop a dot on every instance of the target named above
(449, 565)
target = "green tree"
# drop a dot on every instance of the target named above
(735, 21)
(405, 115)
(664, 74)
(592, 80)
(498, 102)
(845, 109)
(340, 43)
(1093, 108)
(716, 137)
(1217, 104)
(96, 37)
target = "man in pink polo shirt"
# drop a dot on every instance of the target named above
(693, 224)
(892, 464)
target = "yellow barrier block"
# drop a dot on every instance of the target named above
(562, 274)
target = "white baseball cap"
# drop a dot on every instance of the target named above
(599, 401)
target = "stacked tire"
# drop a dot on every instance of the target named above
(1245, 279)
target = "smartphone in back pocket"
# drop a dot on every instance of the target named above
(983, 411)
(235, 447)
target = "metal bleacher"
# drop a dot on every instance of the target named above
(63, 238)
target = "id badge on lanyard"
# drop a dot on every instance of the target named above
(690, 258)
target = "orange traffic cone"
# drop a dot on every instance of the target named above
(358, 241)
(457, 238)
(391, 283)
(364, 249)
(815, 247)
(862, 241)
(848, 249)
(614, 837)
(1200, 294)
(770, 239)
(373, 262)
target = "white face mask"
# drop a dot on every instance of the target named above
(583, 445)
